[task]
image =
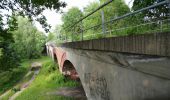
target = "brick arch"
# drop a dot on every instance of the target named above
(69, 70)
(55, 57)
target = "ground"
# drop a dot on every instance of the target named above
(48, 84)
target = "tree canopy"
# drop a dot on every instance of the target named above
(26, 43)
(73, 15)
(113, 10)
(159, 12)
(29, 41)
(31, 8)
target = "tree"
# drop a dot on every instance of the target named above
(28, 40)
(55, 34)
(51, 37)
(118, 8)
(8, 57)
(31, 8)
(92, 20)
(57, 30)
(160, 12)
(69, 18)
(115, 9)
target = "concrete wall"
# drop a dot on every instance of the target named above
(151, 44)
(118, 76)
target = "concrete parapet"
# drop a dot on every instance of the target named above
(150, 44)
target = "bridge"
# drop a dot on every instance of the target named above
(133, 67)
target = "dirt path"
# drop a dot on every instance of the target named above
(75, 92)
(3, 95)
(24, 86)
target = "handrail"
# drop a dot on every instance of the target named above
(100, 7)
(115, 19)
(129, 14)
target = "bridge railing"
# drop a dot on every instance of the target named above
(134, 22)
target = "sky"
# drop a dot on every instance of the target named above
(54, 18)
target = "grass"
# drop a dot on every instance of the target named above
(9, 94)
(18, 86)
(16, 77)
(9, 78)
(48, 80)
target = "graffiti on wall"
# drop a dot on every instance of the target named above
(97, 85)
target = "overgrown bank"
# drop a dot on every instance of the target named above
(48, 80)
(9, 78)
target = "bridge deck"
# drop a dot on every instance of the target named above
(151, 44)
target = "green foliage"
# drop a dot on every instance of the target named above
(56, 35)
(24, 43)
(9, 78)
(92, 20)
(51, 36)
(72, 16)
(31, 8)
(149, 21)
(160, 12)
(8, 23)
(49, 79)
(118, 8)
(111, 11)
(28, 40)
(8, 57)
(14, 79)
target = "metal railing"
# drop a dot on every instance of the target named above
(107, 28)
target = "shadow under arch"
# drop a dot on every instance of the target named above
(69, 70)
(55, 58)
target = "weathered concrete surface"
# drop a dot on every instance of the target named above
(50, 49)
(151, 44)
(117, 76)
(75, 92)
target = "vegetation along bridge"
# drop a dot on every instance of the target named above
(119, 62)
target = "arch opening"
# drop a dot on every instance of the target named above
(70, 71)
(55, 58)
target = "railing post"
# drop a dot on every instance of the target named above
(161, 26)
(65, 38)
(110, 33)
(71, 36)
(82, 31)
(103, 22)
(168, 1)
(72, 31)
(61, 38)
(137, 30)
